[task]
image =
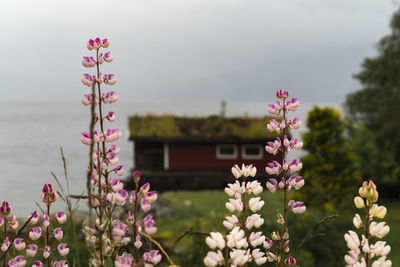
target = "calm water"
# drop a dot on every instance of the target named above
(31, 134)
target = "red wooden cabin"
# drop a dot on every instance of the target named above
(197, 152)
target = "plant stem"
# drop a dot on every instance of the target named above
(134, 219)
(5, 236)
(47, 230)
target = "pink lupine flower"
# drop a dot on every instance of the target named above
(111, 116)
(62, 249)
(290, 261)
(108, 57)
(144, 188)
(119, 170)
(110, 79)
(275, 109)
(19, 244)
(88, 80)
(273, 168)
(296, 182)
(118, 231)
(109, 97)
(213, 259)
(5, 245)
(149, 225)
(35, 233)
(35, 218)
(46, 252)
(61, 217)
(284, 94)
(272, 185)
(18, 261)
(268, 243)
(124, 261)
(274, 147)
(100, 58)
(295, 165)
(121, 197)
(292, 104)
(294, 123)
(138, 243)
(145, 204)
(132, 197)
(90, 44)
(296, 206)
(58, 233)
(111, 135)
(48, 194)
(151, 196)
(88, 62)
(105, 43)
(152, 257)
(5, 209)
(97, 43)
(62, 263)
(46, 221)
(112, 158)
(13, 222)
(274, 126)
(115, 184)
(32, 250)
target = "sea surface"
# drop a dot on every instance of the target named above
(31, 135)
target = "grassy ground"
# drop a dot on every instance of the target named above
(204, 211)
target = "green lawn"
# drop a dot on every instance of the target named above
(204, 211)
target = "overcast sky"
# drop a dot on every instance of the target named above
(169, 51)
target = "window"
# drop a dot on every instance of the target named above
(227, 151)
(252, 152)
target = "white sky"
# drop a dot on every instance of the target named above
(191, 51)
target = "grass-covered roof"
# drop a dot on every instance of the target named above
(170, 126)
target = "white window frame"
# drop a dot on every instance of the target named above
(260, 152)
(220, 156)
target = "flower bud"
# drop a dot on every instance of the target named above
(359, 202)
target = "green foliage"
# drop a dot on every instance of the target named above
(377, 104)
(329, 167)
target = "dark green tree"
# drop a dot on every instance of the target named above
(377, 106)
(329, 167)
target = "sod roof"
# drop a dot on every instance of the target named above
(210, 127)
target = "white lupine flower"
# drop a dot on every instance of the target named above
(237, 238)
(213, 259)
(249, 170)
(216, 240)
(352, 257)
(258, 256)
(365, 244)
(380, 248)
(255, 204)
(254, 220)
(236, 171)
(254, 187)
(268, 243)
(357, 221)
(360, 264)
(352, 240)
(230, 222)
(235, 189)
(240, 257)
(378, 211)
(256, 239)
(234, 204)
(382, 262)
(378, 230)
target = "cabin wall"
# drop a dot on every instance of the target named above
(186, 156)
